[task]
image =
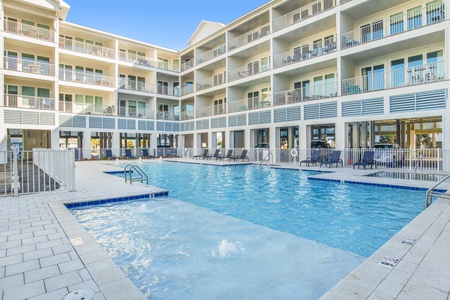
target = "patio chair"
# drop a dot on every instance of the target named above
(241, 157)
(204, 155)
(366, 160)
(128, 154)
(228, 156)
(216, 153)
(314, 159)
(109, 155)
(334, 159)
(145, 154)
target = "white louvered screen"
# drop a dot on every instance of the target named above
(30, 117)
(12, 117)
(79, 121)
(109, 123)
(46, 118)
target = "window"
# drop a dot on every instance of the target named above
(89, 103)
(123, 54)
(435, 11)
(398, 72)
(366, 35)
(141, 84)
(163, 63)
(163, 87)
(372, 78)
(306, 86)
(253, 99)
(253, 68)
(377, 29)
(219, 106)
(435, 67)
(65, 42)
(414, 17)
(176, 88)
(79, 44)
(330, 85)
(79, 74)
(265, 64)
(396, 23)
(98, 104)
(318, 86)
(122, 81)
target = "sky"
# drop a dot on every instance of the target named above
(166, 24)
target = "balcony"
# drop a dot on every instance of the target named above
(187, 115)
(396, 24)
(310, 93)
(82, 47)
(86, 78)
(32, 102)
(29, 66)
(248, 70)
(213, 53)
(249, 37)
(306, 52)
(137, 59)
(139, 86)
(189, 64)
(29, 31)
(86, 108)
(249, 104)
(421, 74)
(302, 13)
(209, 111)
(165, 115)
(133, 112)
(165, 90)
(186, 90)
(211, 82)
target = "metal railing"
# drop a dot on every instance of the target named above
(186, 90)
(82, 47)
(249, 104)
(39, 170)
(399, 23)
(210, 54)
(189, 64)
(433, 192)
(249, 70)
(420, 74)
(165, 115)
(136, 112)
(86, 78)
(249, 37)
(215, 80)
(212, 110)
(128, 171)
(32, 102)
(28, 65)
(187, 115)
(136, 85)
(29, 30)
(310, 93)
(86, 108)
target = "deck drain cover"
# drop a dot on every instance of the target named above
(408, 241)
(83, 294)
(389, 261)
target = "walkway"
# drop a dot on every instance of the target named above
(45, 253)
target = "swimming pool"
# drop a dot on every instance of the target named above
(291, 235)
(408, 175)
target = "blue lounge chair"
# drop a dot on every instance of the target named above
(334, 159)
(128, 154)
(314, 159)
(204, 155)
(366, 160)
(145, 154)
(109, 155)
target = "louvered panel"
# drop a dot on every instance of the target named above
(191, 125)
(373, 106)
(160, 126)
(46, 118)
(142, 125)
(402, 103)
(30, 117)
(241, 120)
(150, 125)
(122, 124)
(294, 113)
(131, 124)
(351, 108)
(79, 121)
(431, 100)
(12, 117)
(206, 124)
(312, 111)
(168, 126)
(109, 123)
(279, 115)
(222, 122)
(176, 126)
(215, 123)
(265, 117)
(65, 121)
(253, 118)
(95, 122)
(328, 110)
(199, 124)
(232, 121)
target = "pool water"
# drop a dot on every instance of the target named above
(408, 176)
(246, 231)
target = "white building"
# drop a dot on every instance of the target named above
(352, 73)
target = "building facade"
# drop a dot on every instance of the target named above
(349, 73)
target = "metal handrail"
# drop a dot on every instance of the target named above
(269, 154)
(430, 193)
(129, 169)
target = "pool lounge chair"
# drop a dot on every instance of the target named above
(216, 153)
(366, 160)
(228, 156)
(334, 159)
(241, 157)
(128, 154)
(314, 159)
(145, 154)
(109, 155)
(204, 155)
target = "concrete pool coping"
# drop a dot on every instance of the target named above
(45, 253)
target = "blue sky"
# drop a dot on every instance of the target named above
(168, 23)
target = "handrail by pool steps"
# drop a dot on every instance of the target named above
(129, 170)
(266, 158)
(432, 193)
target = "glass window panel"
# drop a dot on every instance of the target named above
(414, 17)
(396, 25)
(398, 72)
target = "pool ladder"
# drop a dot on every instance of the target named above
(431, 192)
(129, 169)
(266, 158)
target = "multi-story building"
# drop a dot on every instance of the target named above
(349, 72)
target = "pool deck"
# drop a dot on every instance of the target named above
(46, 254)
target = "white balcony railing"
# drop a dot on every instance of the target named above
(249, 70)
(305, 52)
(302, 13)
(186, 90)
(134, 85)
(134, 112)
(209, 111)
(413, 19)
(165, 90)
(249, 104)
(420, 74)
(189, 64)
(29, 30)
(249, 37)
(210, 82)
(210, 54)
(165, 115)
(29, 66)
(309, 93)
(187, 114)
(86, 108)
(82, 47)
(137, 59)
(86, 78)
(32, 102)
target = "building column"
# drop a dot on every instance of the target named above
(304, 135)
